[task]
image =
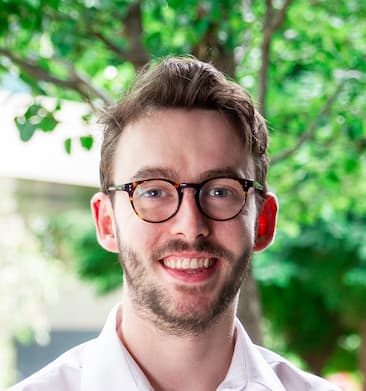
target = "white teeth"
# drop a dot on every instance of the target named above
(194, 263)
(188, 263)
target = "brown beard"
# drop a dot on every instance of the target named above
(152, 302)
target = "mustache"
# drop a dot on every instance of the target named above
(200, 245)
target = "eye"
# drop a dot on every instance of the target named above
(222, 190)
(153, 192)
(219, 192)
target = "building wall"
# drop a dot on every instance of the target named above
(38, 293)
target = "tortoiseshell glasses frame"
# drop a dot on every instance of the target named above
(158, 199)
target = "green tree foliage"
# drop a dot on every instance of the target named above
(70, 236)
(316, 286)
(304, 63)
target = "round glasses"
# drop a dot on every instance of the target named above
(157, 200)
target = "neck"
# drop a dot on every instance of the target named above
(198, 362)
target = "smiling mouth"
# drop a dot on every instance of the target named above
(189, 264)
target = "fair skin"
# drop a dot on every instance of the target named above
(183, 146)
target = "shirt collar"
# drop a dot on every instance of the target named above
(107, 365)
(248, 369)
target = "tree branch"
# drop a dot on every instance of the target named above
(35, 71)
(280, 17)
(86, 87)
(265, 50)
(209, 48)
(76, 83)
(310, 131)
(133, 30)
(137, 59)
(119, 52)
(271, 23)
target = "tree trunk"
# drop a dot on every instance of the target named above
(316, 360)
(362, 353)
(249, 309)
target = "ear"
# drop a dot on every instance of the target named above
(266, 223)
(103, 216)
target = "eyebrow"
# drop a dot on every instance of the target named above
(167, 173)
(154, 172)
(224, 171)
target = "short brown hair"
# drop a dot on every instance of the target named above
(185, 82)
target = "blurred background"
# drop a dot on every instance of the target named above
(303, 62)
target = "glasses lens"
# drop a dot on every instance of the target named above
(155, 200)
(222, 198)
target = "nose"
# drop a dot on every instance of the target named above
(189, 222)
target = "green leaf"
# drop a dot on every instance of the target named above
(48, 123)
(67, 145)
(356, 276)
(355, 129)
(351, 164)
(86, 117)
(26, 129)
(58, 106)
(86, 142)
(33, 110)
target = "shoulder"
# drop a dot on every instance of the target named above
(292, 377)
(63, 374)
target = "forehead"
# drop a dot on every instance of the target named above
(185, 145)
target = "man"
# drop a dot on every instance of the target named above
(184, 203)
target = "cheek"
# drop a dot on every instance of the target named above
(134, 232)
(147, 236)
(238, 235)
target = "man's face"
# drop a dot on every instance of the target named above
(182, 273)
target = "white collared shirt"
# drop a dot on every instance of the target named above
(104, 364)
